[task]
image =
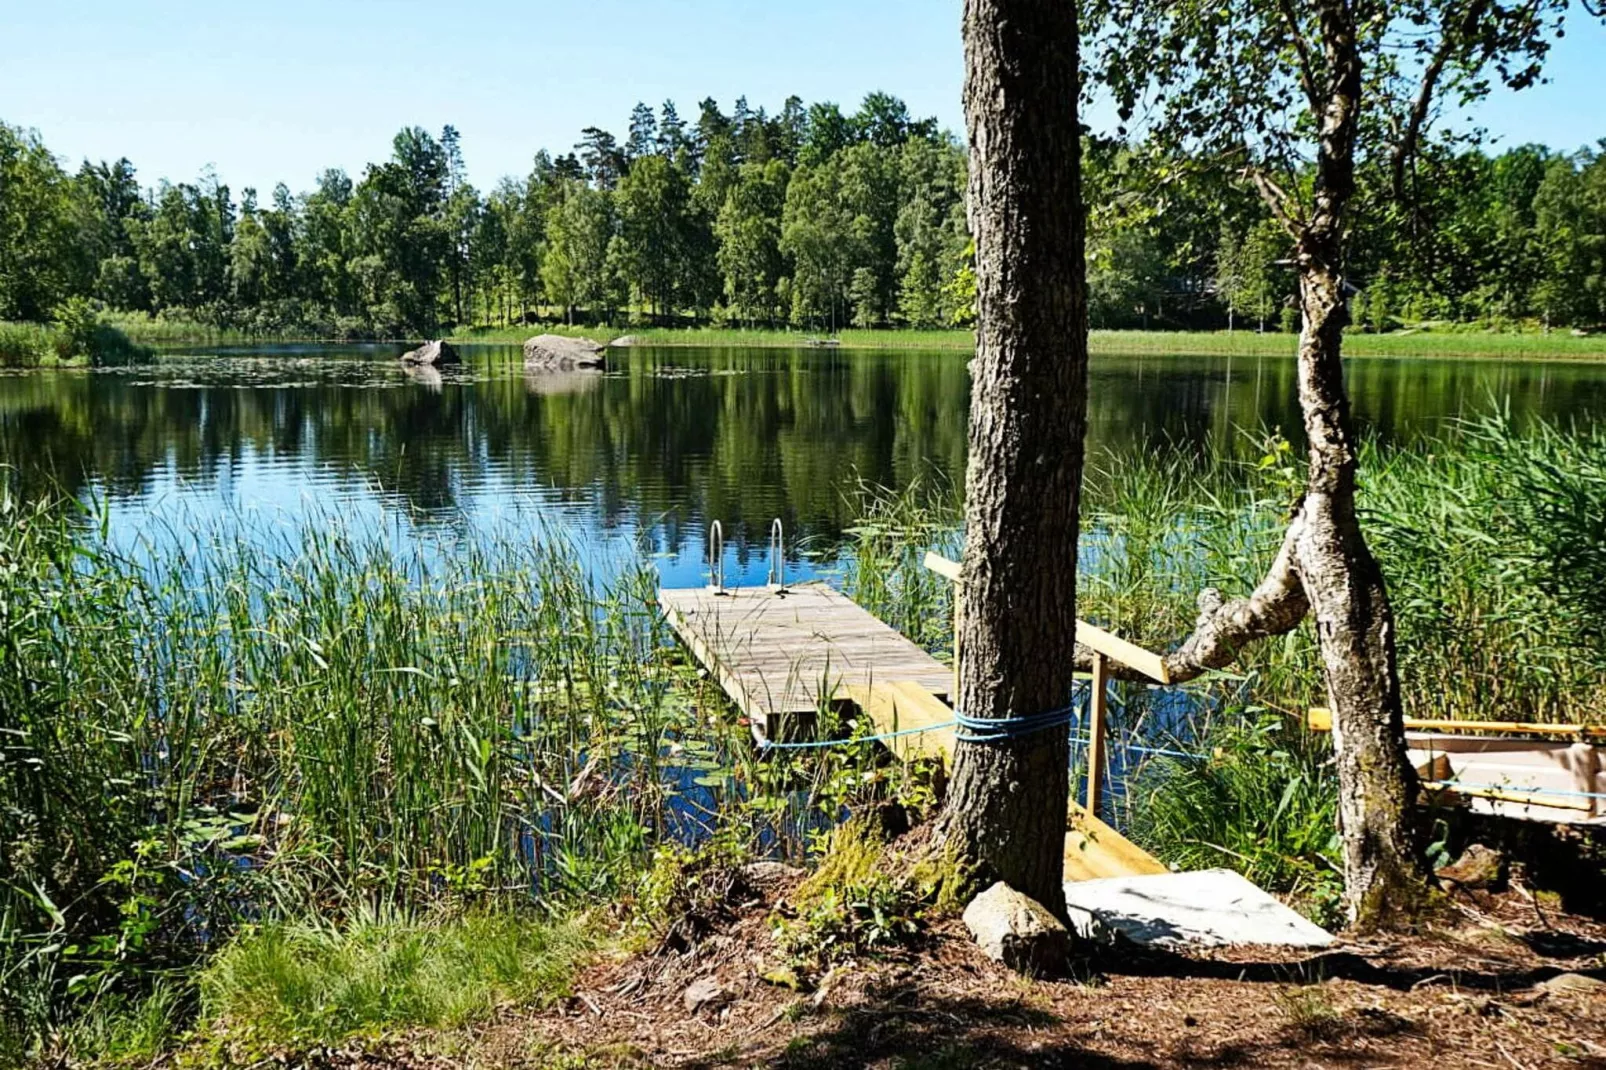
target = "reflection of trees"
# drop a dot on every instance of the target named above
(679, 436)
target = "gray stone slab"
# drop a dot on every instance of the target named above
(1204, 908)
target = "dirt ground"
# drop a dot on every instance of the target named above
(1506, 984)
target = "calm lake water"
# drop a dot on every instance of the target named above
(644, 455)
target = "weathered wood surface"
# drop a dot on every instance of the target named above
(780, 655)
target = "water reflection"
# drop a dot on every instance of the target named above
(654, 448)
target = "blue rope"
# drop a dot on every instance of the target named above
(815, 744)
(993, 729)
(1451, 785)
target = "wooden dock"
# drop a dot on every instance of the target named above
(782, 656)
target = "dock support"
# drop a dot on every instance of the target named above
(1095, 739)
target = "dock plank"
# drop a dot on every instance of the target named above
(780, 655)
(904, 706)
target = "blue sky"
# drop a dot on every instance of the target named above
(270, 92)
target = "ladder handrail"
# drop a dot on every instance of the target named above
(777, 577)
(716, 556)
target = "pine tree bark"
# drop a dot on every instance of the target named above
(1006, 807)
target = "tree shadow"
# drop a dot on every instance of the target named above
(1329, 965)
(915, 1029)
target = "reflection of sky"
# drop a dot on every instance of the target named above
(266, 497)
(641, 459)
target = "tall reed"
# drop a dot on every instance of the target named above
(239, 727)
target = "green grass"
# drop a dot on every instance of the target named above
(311, 982)
(236, 726)
(1434, 340)
(172, 331)
(203, 734)
(1265, 803)
(1439, 342)
(209, 742)
(80, 341)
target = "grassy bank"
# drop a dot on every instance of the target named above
(280, 789)
(169, 331)
(258, 745)
(83, 341)
(1434, 341)
(1418, 343)
(1493, 543)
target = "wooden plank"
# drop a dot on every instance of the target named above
(777, 654)
(902, 705)
(785, 653)
(1320, 719)
(1452, 792)
(1094, 849)
(1115, 648)
(1095, 739)
(1109, 644)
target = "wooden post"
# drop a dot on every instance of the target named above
(953, 699)
(1095, 740)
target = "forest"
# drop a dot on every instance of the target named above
(812, 217)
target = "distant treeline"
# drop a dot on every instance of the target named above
(811, 217)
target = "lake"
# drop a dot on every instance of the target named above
(644, 455)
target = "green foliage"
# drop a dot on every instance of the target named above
(79, 336)
(1490, 540)
(119, 1029)
(39, 267)
(312, 983)
(852, 904)
(812, 218)
(187, 740)
(1493, 546)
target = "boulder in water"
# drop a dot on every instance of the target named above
(431, 354)
(554, 352)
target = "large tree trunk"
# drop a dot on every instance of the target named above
(1006, 808)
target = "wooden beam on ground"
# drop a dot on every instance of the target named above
(1094, 850)
(1452, 792)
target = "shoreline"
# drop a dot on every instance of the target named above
(1421, 344)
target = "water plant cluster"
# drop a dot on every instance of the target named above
(1490, 536)
(255, 777)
